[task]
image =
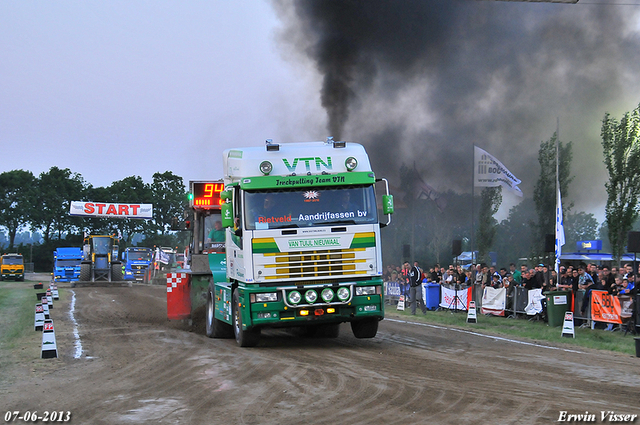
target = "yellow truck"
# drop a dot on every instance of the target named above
(12, 267)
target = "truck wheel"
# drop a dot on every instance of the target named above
(116, 272)
(366, 328)
(246, 337)
(215, 328)
(85, 272)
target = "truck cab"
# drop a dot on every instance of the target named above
(12, 267)
(136, 260)
(302, 241)
(66, 264)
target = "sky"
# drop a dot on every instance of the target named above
(121, 88)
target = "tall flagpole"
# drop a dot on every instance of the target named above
(557, 259)
(473, 195)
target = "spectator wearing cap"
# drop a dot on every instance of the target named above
(585, 282)
(496, 282)
(626, 287)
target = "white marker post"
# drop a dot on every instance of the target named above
(567, 326)
(471, 314)
(49, 348)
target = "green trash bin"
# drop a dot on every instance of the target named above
(558, 302)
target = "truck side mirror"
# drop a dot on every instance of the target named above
(387, 204)
(227, 215)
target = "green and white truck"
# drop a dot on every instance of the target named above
(301, 241)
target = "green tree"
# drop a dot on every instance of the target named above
(17, 201)
(579, 227)
(490, 200)
(514, 236)
(56, 189)
(621, 151)
(544, 193)
(129, 190)
(169, 199)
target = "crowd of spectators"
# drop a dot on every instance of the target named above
(587, 277)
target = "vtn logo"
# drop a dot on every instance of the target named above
(307, 163)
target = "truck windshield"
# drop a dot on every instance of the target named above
(12, 259)
(101, 245)
(310, 207)
(139, 255)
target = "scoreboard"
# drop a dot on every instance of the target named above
(206, 194)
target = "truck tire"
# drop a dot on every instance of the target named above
(85, 272)
(244, 337)
(365, 328)
(116, 272)
(215, 328)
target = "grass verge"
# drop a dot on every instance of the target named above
(20, 344)
(522, 328)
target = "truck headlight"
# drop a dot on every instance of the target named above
(294, 297)
(351, 163)
(311, 296)
(265, 167)
(267, 297)
(327, 295)
(343, 294)
(365, 290)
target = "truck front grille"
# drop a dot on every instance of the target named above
(314, 264)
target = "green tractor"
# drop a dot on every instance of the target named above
(100, 260)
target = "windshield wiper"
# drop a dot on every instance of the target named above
(331, 223)
(288, 226)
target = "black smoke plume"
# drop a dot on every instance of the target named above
(423, 80)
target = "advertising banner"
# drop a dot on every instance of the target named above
(452, 299)
(392, 289)
(106, 209)
(608, 308)
(534, 305)
(493, 301)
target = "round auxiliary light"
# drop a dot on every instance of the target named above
(327, 295)
(265, 167)
(343, 294)
(311, 296)
(294, 297)
(351, 163)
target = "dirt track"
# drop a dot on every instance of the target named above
(137, 367)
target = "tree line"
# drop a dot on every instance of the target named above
(41, 204)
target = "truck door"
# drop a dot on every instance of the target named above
(235, 256)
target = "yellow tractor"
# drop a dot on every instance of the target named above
(100, 259)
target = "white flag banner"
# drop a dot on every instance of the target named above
(489, 172)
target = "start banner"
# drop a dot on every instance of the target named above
(106, 209)
(608, 308)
